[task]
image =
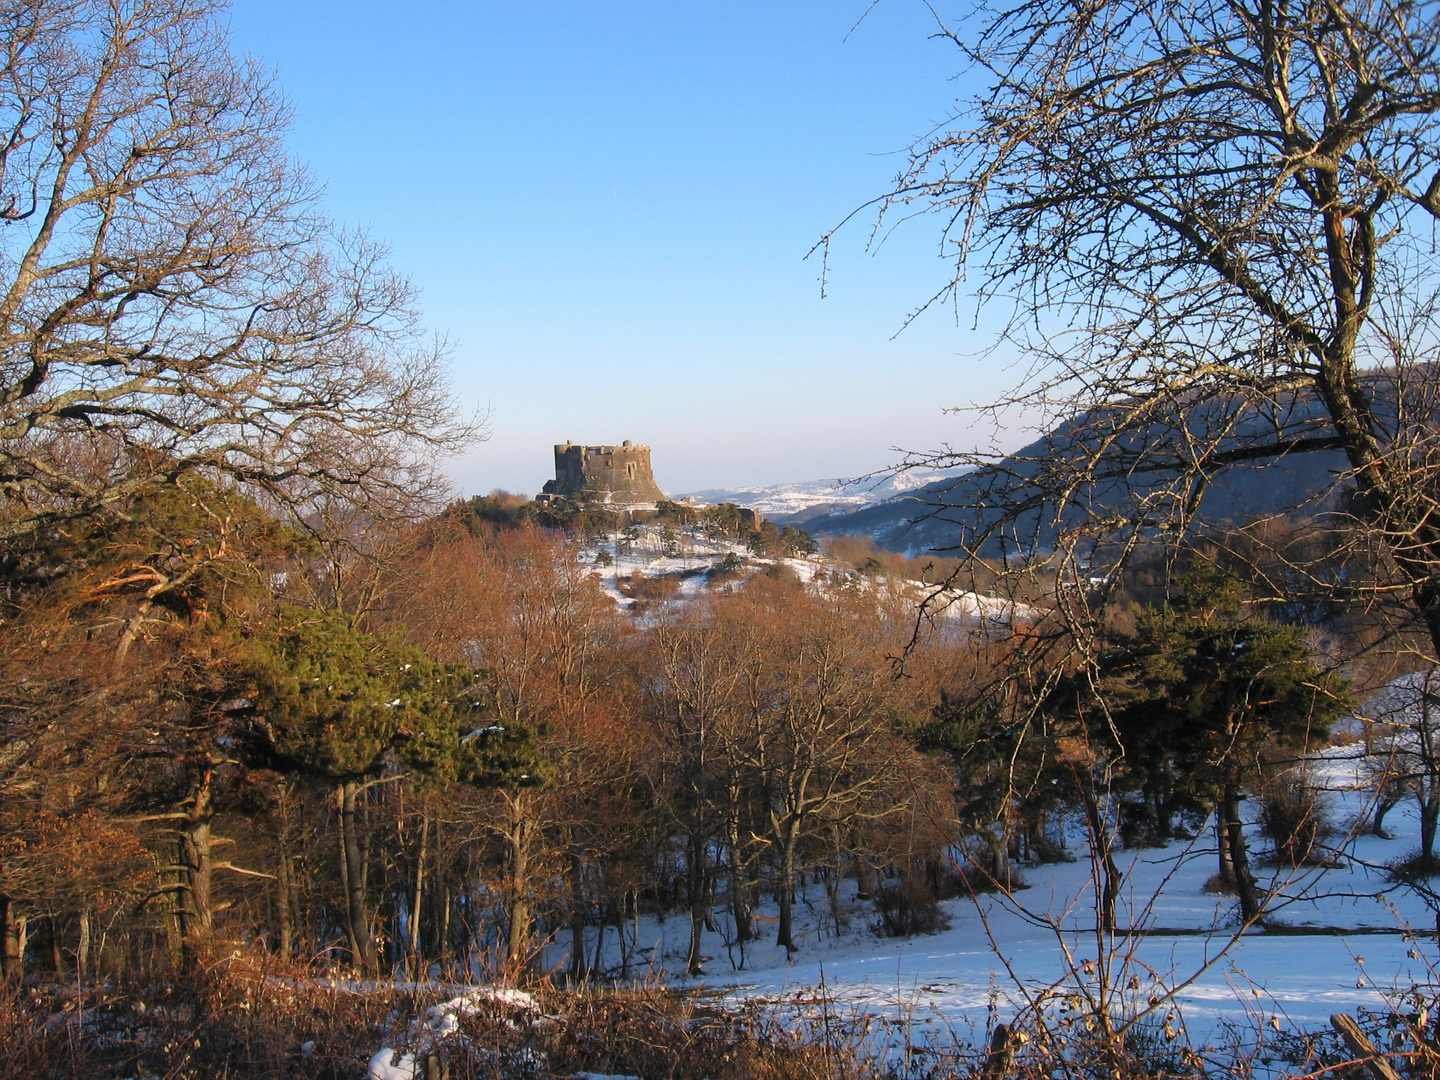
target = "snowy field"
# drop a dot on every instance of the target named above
(1341, 940)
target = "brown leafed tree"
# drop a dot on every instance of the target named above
(519, 605)
(814, 732)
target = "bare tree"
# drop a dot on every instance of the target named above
(1408, 756)
(171, 298)
(694, 696)
(521, 606)
(1212, 227)
(815, 732)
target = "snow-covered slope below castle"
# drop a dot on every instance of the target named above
(688, 559)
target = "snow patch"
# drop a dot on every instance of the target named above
(442, 1021)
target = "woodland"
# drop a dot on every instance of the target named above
(291, 736)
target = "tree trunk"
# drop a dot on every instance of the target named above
(1429, 816)
(834, 874)
(517, 945)
(1427, 595)
(283, 905)
(1222, 845)
(864, 877)
(1239, 857)
(417, 905)
(444, 928)
(739, 904)
(57, 958)
(1159, 814)
(1102, 852)
(362, 943)
(598, 964)
(197, 918)
(998, 847)
(786, 892)
(82, 949)
(12, 954)
(1383, 806)
(630, 906)
(696, 873)
(578, 970)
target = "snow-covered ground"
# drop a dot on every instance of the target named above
(687, 557)
(1342, 939)
(1339, 937)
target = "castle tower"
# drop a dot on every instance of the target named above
(618, 475)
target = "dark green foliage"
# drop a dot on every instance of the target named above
(1010, 778)
(796, 542)
(1187, 707)
(1202, 687)
(180, 546)
(482, 514)
(727, 519)
(676, 513)
(775, 542)
(337, 703)
(498, 508)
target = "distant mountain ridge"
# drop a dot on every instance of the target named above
(948, 513)
(805, 501)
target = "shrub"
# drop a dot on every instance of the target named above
(261, 1020)
(650, 1031)
(1295, 815)
(907, 907)
(783, 574)
(30, 1043)
(727, 568)
(648, 589)
(1414, 866)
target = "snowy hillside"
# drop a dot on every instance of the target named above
(800, 501)
(648, 564)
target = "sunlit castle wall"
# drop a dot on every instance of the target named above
(615, 474)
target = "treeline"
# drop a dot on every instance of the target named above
(429, 745)
(438, 748)
(594, 521)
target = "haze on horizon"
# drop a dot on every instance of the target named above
(607, 209)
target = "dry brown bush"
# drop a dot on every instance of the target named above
(235, 1018)
(259, 1020)
(651, 1032)
(652, 589)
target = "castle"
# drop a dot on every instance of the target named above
(617, 475)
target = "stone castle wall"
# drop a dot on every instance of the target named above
(616, 474)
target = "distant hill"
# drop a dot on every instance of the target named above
(803, 502)
(945, 514)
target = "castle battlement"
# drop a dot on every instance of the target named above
(619, 475)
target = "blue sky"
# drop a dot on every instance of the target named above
(606, 208)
